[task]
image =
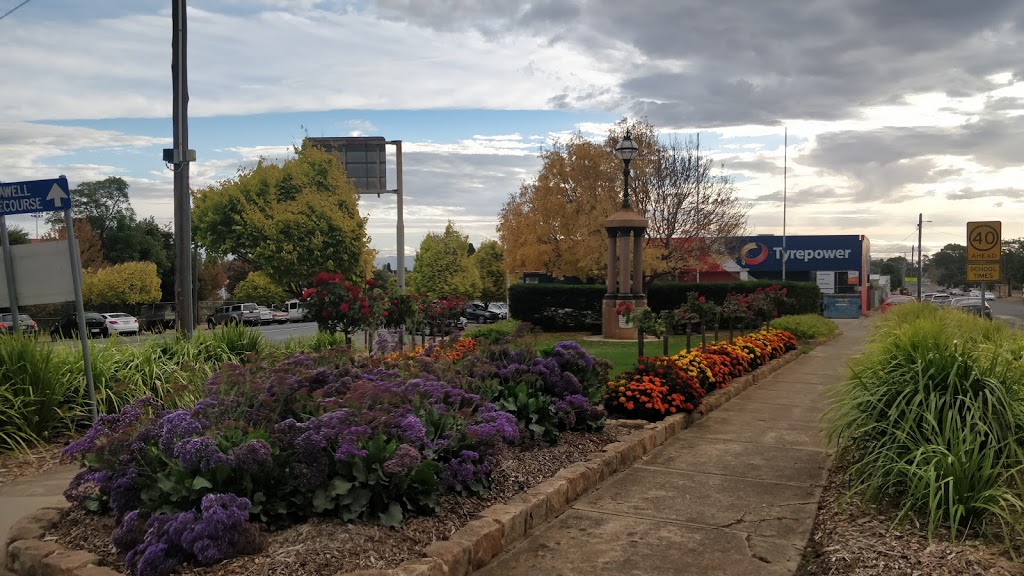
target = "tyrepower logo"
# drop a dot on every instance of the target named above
(753, 254)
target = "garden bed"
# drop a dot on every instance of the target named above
(852, 540)
(328, 546)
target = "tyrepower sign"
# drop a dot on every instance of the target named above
(801, 253)
(984, 251)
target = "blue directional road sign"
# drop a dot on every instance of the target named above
(34, 196)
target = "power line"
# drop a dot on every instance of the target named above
(889, 245)
(8, 13)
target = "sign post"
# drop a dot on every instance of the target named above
(984, 253)
(9, 265)
(47, 196)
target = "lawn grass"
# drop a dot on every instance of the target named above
(622, 354)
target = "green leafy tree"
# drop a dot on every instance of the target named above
(289, 221)
(443, 266)
(1013, 263)
(17, 235)
(948, 267)
(259, 288)
(127, 283)
(490, 265)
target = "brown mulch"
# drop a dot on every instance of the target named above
(36, 459)
(326, 546)
(852, 540)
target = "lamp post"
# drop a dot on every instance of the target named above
(626, 151)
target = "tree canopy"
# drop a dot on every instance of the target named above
(259, 288)
(443, 266)
(290, 221)
(948, 267)
(489, 262)
(128, 283)
(555, 223)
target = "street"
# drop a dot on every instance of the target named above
(1009, 310)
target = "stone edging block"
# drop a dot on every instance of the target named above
(496, 529)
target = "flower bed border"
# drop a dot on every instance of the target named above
(498, 528)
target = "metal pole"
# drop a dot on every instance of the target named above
(83, 331)
(182, 201)
(785, 173)
(920, 259)
(401, 220)
(9, 266)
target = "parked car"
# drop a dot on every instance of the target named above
(157, 317)
(67, 327)
(989, 295)
(895, 300)
(244, 314)
(26, 324)
(475, 312)
(973, 306)
(501, 308)
(278, 316)
(941, 299)
(266, 316)
(121, 324)
(296, 313)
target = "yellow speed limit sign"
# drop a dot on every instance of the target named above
(984, 241)
(983, 272)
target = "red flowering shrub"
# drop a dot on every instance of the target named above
(338, 305)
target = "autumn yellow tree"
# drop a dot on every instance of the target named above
(555, 224)
(128, 283)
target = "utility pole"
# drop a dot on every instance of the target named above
(179, 157)
(785, 173)
(920, 259)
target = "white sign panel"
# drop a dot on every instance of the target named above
(827, 282)
(42, 272)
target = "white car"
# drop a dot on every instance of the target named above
(266, 316)
(121, 324)
(989, 295)
(500, 307)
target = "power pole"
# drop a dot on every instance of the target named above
(180, 156)
(920, 259)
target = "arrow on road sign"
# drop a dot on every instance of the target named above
(56, 195)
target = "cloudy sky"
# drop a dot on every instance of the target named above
(893, 108)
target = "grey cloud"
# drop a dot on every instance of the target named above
(971, 194)
(808, 195)
(750, 61)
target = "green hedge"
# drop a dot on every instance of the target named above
(558, 307)
(804, 297)
(577, 307)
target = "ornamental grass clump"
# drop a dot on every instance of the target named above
(806, 326)
(931, 420)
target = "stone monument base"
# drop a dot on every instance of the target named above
(613, 326)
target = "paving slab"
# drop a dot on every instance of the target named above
(583, 542)
(767, 509)
(25, 495)
(743, 460)
(762, 393)
(740, 428)
(775, 412)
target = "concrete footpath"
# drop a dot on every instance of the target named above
(25, 495)
(736, 494)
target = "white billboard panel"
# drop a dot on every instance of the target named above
(42, 274)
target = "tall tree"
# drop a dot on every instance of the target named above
(489, 262)
(443, 267)
(212, 278)
(554, 224)
(1013, 263)
(104, 203)
(89, 247)
(948, 267)
(290, 221)
(127, 283)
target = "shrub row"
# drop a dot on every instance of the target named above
(565, 307)
(806, 326)
(931, 421)
(661, 386)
